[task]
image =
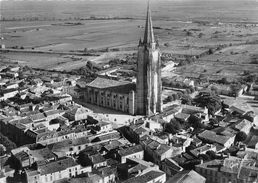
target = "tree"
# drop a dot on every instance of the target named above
(89, 65)
(235, 88)
(173, 127)
(251, 78)
(208, 99)
(241, 136)
(7, 143)
(169, 98)
(192, 89)
(211, 51)
(224, 80)
(214, 121)
(211, 154)
(186, 99)
(215, 89)
(195, 122)
(179, 95)
(205, 157)
(175, 96)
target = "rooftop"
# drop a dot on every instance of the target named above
(213, 137)
(57, 166)
(187, 176)
(130, 150)
(112, 85)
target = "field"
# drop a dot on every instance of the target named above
(181, 27)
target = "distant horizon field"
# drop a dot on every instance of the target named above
(226, 10)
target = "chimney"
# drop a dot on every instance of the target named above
(158, 146)
(139, 172)
(201, 161)
(228, 155)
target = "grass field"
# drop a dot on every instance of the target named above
(172, 20)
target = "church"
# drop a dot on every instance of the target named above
(141, 98)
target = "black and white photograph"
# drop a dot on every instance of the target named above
(128, 91)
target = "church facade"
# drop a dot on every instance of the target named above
(142, 98)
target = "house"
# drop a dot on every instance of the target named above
(11, 85)
(157, 151)
(212, 137)
(24, 157)
(36, 81)
(139, 128)
(14, 69)
(231, 169)
(187, 176)
(253, 143)
(135, 167)
(54, 171)
(148, 177)
(181, 141)
(243, 126)
(105, 137)
(74, 91)
(252, 117)
(8, 93)
(182, 117)
(12, 74)
(203, 149)
(69, 147)
(92, 178)
(78, 113)
(170, 167)
(111, 146)
(108, 174)
(130, 152)
(95, 160)
(107, 72)
(199, 111)
(103, 126)
(236, 110)
(53, 114)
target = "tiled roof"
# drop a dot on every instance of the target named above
(253, 141)
(106, 171)
(213, 137)
(97, 158)
(147, 177)
(182, 116)
(45, 153)
(201, 149)
(57, 166)
(110, 136)
(130, 150)
(187, 176)
(112, 85)
(37, 116)
(64, 145)
(112, 145)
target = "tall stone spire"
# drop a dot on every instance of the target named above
(148, 33)
(149, 85)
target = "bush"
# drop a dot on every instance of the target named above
(186, 99)
(173, 127)
(7, 143)
(211, 154)
(205, 157)
(241, 136)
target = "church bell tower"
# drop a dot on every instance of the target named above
(149, 85)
